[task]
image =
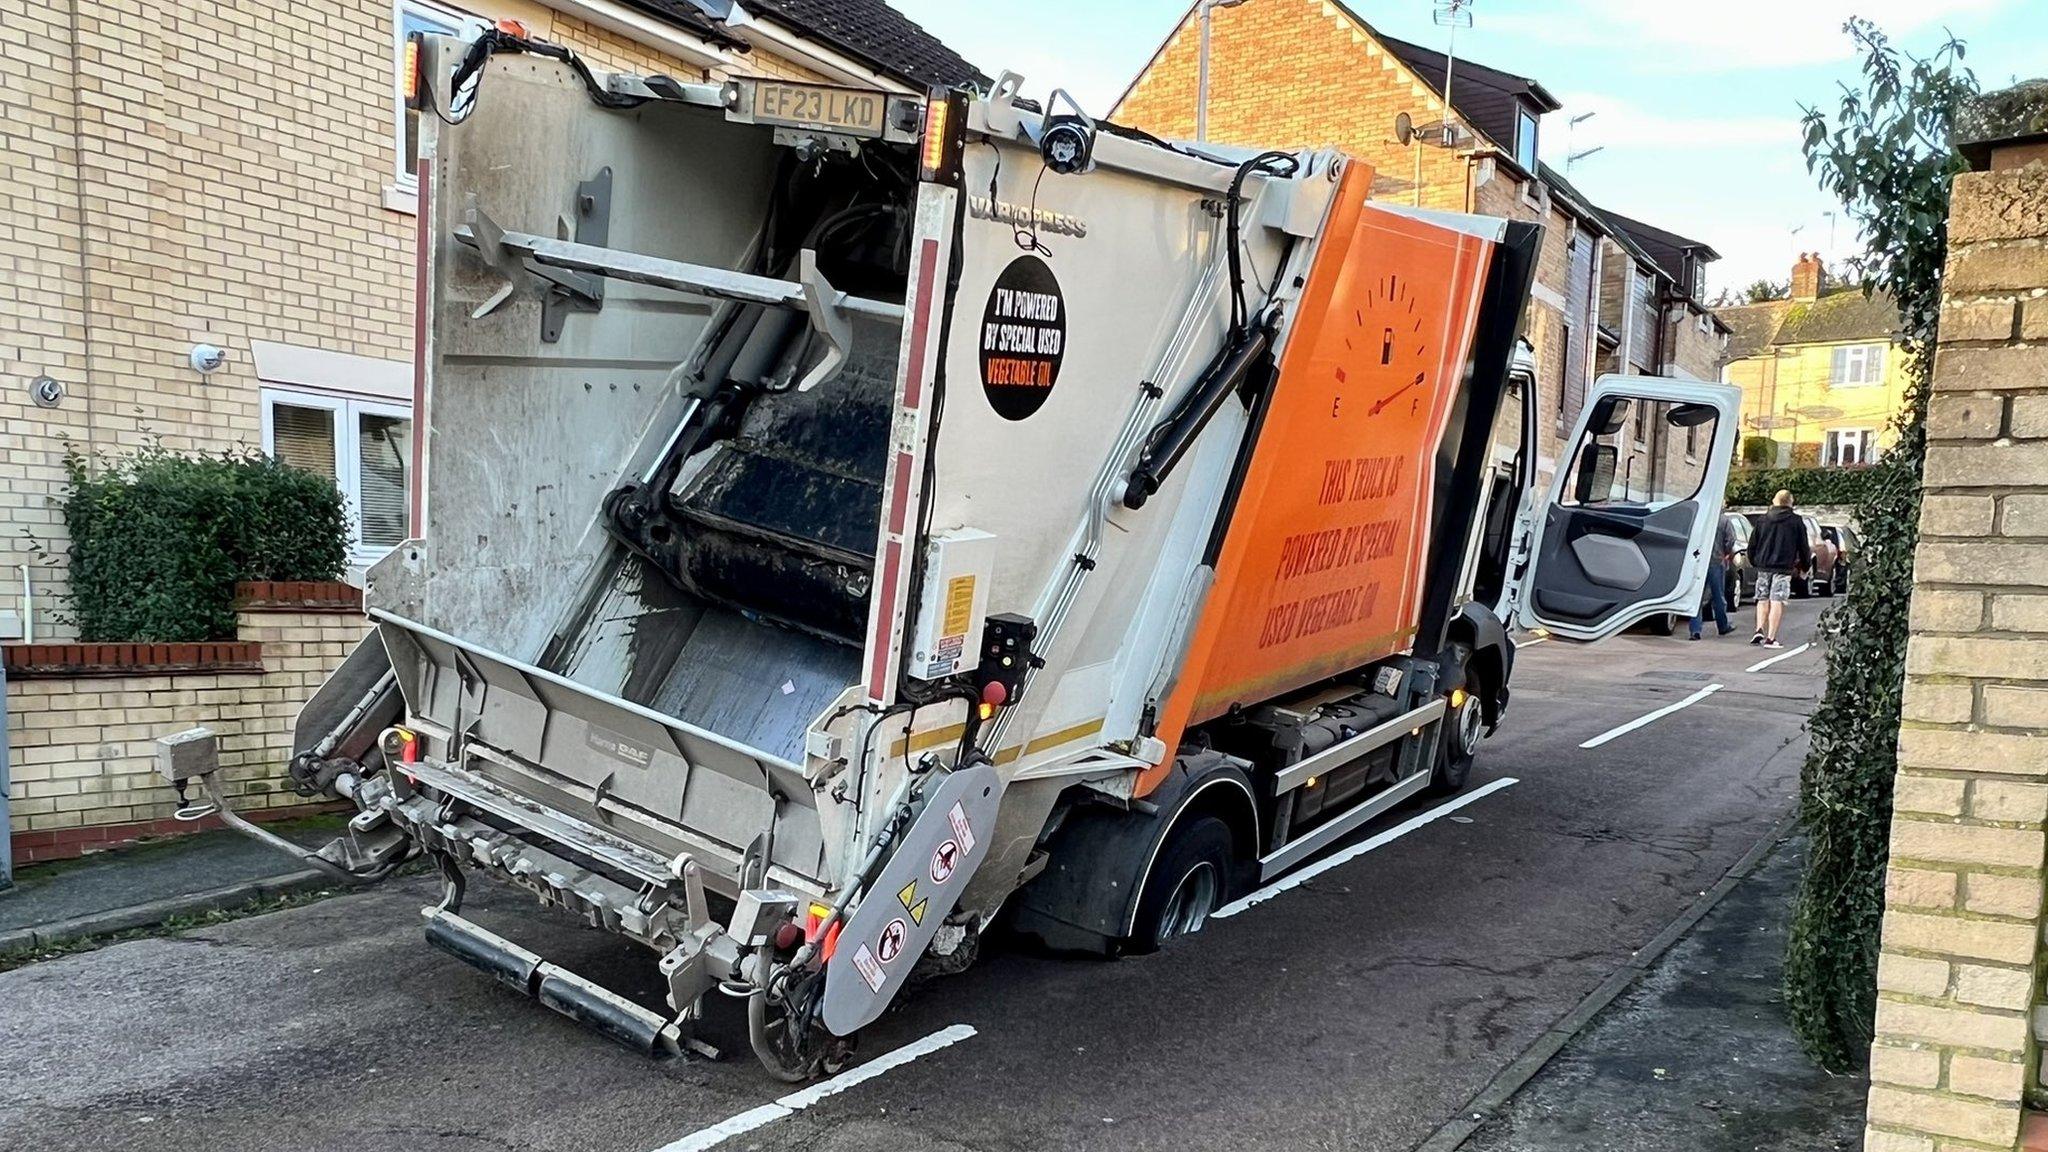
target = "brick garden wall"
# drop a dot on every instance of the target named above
(82, 724)
(1958, 979)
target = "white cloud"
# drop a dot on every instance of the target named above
(1730, 35)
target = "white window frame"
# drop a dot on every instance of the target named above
(1870, 362)
(347, 451)
(1865, 440)
(405, 182)
(1526, 123)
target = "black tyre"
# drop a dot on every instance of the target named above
(1827, 587)
(1662, 624)
(1457, 745)
(1189, 880)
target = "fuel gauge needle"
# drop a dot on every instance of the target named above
(1383, 401)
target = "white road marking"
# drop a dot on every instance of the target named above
(1296, 879)
(1659, 714)
(1763, 664)
(803, 1098)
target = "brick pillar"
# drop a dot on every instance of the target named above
(1955, 1060)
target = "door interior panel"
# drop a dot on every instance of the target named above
(1597, 559)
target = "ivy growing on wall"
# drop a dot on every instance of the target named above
(1886, 156)
(159, 539)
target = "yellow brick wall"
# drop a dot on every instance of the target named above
(1959, 976)
(83, 749)
(1788, 396)
(1299, 74)
(198, 171)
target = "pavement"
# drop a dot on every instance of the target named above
(1363, 1009)
(145, 884)
(1698, 1054)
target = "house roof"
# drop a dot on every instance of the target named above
(1655, 238)
(1843, 316)
(1606, 223)
(1486, 97)
(877, 34)
(869, 31)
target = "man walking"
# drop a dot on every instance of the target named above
(1717, 582)
(1777, 549)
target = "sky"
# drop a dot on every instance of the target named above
(1695, 103)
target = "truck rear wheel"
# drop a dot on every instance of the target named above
(1189, 880)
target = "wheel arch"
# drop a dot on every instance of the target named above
(1101, 856)
(1487, 662)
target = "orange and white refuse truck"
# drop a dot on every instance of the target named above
(843, 518)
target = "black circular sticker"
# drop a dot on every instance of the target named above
(1023, 338)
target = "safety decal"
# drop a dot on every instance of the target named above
(962, 831)
(944, 858)
(911, 903)
(1023, 338)
(870, 972)
(890, 946)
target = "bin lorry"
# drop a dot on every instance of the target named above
(841, 517)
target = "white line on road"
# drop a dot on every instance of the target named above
(803, 1098)
(1659, 714)
(1763, 664)
(1309, 873)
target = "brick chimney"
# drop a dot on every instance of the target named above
(1806, 276)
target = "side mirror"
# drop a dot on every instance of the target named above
(1692, 415)
(1607, 416)
(1595, 483)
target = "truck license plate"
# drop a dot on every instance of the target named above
(853, 111)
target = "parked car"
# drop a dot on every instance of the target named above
(1741, 577)
(1847, 546)
(1819, 578)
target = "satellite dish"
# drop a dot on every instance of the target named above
(1404, 128)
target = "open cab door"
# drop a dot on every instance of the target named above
(1629, 525)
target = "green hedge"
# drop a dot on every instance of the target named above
(159, 539)
(1747, 486)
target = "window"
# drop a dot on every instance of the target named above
(366, 448)
(1848, 447)
(1857, 366)
(1606, 470)
(1525, 139)
(408, 17)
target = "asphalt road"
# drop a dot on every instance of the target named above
(1357, 1011)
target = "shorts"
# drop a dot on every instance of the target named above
(1774, 586)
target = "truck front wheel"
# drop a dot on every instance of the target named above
(1189, 880)
(1457, 745)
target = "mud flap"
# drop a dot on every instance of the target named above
(912, 896)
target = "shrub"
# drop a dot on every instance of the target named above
(1747, 486)
(1759, 451)
(1886, 158)
(1806, 455)
(159, 539)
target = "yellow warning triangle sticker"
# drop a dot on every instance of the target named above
(908, 896)
(917, 913)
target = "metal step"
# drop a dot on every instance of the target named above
(580, 999)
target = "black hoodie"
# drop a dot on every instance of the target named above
(1779, 543)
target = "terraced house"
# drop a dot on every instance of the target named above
(1611, 294)
(207, 237)
(1820, 377)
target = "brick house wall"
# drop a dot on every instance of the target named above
(1959, 1014)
